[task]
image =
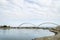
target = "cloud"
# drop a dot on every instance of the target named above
(27, 10)
(45, 11)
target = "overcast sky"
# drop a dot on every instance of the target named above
(15, 12)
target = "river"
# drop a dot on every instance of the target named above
(23, 34)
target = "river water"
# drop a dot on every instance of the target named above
(23, 34)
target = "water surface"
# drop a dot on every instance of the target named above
(23, 34)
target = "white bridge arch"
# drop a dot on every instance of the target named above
(27, 24)
(47, 23)
(21, 25)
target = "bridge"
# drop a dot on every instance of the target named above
(32, 26)
(55, 30)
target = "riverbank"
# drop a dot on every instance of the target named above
(44, 38)
(55, 37)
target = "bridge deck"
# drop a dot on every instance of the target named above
(25, 28)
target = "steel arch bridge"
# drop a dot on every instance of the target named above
(27, 23)
(47, 23)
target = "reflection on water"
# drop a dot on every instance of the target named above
(23, 34)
